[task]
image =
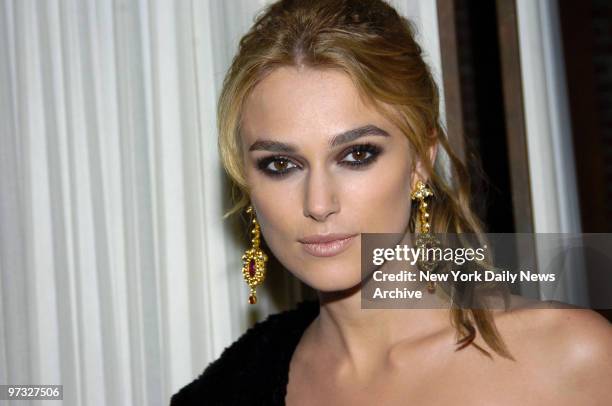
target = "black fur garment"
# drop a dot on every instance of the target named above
(254, 370)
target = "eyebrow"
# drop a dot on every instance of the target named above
(339, 139)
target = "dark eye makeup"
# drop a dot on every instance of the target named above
(361, 156)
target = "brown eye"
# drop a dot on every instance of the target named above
(359, 155)
(276, 165)
(280, 165)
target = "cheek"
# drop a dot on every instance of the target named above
(381, 200)
(277, 212)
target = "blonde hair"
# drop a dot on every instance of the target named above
(371, 43)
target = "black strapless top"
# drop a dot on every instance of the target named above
(254, 370)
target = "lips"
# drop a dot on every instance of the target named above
(327, 245)
(323, 238)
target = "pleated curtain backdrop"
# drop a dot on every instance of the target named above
(118, 277)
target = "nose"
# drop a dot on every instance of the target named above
(320, 198)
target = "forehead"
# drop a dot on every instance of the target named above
(305, 102)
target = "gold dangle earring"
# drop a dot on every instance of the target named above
(424, 238)
(254, 260)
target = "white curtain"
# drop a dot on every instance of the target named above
(118, 277)
(554, 188)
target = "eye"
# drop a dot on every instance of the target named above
(359, 156)
(362, 154)
(276, 165)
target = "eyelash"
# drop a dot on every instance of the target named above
(372, 149)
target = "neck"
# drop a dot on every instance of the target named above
(362, 337)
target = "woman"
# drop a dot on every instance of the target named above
(329, 126)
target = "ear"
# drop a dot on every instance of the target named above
(420, 172)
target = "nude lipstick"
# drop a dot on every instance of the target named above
(327, 245)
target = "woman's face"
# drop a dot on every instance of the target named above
(320, 161)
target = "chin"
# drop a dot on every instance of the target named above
(325, 274)
(330, 278)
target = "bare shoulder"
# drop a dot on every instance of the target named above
(569, 347)
(581, 335)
